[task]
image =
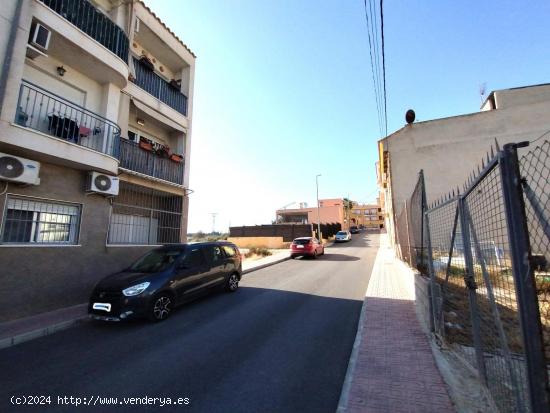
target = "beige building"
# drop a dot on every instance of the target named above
(95, 142)
(332, 211)
(449, 149)
(367, 215)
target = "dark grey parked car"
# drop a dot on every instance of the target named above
(164, 278)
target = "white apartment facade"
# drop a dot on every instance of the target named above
(95, 141)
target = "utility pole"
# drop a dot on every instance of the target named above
(213, 221)
(318, 212)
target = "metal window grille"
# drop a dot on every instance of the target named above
(37, 221)
(144, 216)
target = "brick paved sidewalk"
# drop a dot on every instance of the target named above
(392, 368)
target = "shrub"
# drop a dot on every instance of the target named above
(262, 252)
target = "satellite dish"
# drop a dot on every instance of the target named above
(410, 116)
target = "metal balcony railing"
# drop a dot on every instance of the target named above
(134, 158)
(49, 113)
(159, 88)
(94, 23)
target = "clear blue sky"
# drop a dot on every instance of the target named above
(283, 89)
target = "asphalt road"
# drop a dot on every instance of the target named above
(281, 343)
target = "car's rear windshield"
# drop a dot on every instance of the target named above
(156, 260)
(302, 241)
(341, 233)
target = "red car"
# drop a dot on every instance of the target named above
(306, 246)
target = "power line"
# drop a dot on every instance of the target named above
(377, 58)
(372, 64)
(383, 64)
(377, 62)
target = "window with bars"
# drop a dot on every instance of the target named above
(144, 216)
(40, 221)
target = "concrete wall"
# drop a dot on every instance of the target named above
(260, 242)
(45, 277)
(450, 149)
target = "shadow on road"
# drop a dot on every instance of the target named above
(240, 339)
(338, 257)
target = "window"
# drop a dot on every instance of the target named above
(215, 254)
(36, 221)
(229, 251)
(156, 261)
(194, 258)
(145, 216)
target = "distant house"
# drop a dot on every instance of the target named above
(331, 211)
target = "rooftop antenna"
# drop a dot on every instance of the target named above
(482, 91)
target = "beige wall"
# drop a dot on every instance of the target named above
(449, 149)
(260, 242)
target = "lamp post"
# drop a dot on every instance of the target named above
(318, 212)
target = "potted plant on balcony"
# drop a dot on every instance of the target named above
(175, 157)
(145, 144)
(147, 63)
(176, 84)
(162, 151)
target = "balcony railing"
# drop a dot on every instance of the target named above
(94, 23)
(134, 158)
(159, 88)
(49, 113)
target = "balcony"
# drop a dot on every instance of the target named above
(93, 22)
(53, 115)
(159, 88)
(133, 158)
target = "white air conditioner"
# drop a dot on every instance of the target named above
(40, 36)
(21, 170)
(102, 184)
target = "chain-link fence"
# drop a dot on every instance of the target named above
(489, 275)
(409, 225)
(535, 169)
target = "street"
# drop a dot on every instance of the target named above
(281, 343)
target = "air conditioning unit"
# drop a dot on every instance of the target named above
(21, 170)
(102, 184)
(39, 36)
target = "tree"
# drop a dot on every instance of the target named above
(348, 205)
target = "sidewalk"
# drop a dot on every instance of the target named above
(28, 328)
(392, 368)
(275, 258)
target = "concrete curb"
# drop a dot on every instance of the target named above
(269, 264)
(344, 395)
(64, 325)
(40, 332)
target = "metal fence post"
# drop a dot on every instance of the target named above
(423, 203)
(522, 270)
(435, 319)
(470, 281)
(408, 233)
(451, 248)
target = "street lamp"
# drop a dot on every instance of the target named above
(318, 213)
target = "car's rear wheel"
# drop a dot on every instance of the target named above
(292, 256)
(161, 307)
(232, 283)
(314, 254)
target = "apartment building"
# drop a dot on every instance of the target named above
(369, 216)
(95, 139)
(330, 211)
